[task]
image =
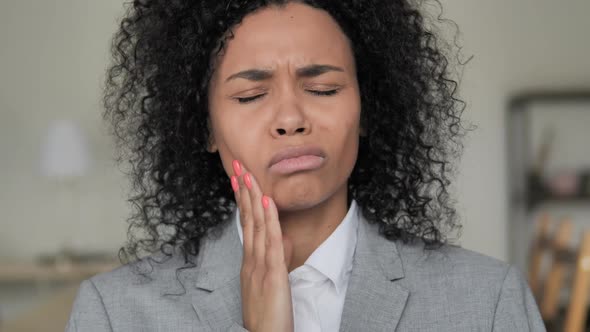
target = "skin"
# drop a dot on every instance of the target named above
(284, 217)
(311, 204)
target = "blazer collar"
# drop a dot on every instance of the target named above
(220, 259)
(374, 300)
(217, 300)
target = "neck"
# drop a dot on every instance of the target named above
(307, 229)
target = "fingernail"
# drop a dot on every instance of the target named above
(234, 183)
(265, 202)
(237, 167)
(248, 181)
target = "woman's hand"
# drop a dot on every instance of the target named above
(266, 293)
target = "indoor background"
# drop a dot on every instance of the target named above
(56, 205)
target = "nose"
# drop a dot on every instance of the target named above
(290, 119)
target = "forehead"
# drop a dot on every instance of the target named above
(293, 35)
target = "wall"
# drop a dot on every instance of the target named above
(52, 60)
(517, 46)
(54, 52)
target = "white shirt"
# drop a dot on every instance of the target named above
(318, 287)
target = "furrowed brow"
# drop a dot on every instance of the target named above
(316, 70)
(251, 75)
(304, 72)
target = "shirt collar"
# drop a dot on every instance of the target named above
(333, 258)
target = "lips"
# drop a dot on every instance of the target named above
(298, 151)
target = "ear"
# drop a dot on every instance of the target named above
(363, 125)
(362, 131)
(211, 144)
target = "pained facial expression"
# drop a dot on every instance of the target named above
(287, 79)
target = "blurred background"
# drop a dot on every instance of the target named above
(62, 198)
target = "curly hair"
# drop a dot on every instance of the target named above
(156, 100)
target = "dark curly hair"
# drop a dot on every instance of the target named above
(156, 100)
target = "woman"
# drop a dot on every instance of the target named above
(334, 122)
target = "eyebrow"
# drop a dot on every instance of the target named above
(304, 72)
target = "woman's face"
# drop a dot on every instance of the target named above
(287, 79)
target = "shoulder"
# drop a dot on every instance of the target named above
(154, 275)
(452, 261)
(144, 282)
(457, 274)
(131, 295)
(458, 283)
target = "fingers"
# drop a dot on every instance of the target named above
(260, 227)
(245, 216)
(249, 199)
(275, 257)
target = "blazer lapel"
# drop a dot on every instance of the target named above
(217, 300)
(374, 300)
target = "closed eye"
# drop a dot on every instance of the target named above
(245, 100)
(323, 93)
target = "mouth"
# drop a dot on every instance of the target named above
(296, 159)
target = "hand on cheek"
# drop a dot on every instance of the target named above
(266, 293)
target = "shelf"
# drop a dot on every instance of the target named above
(571, 202)
(538, 193)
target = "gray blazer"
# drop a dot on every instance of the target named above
(393, 287)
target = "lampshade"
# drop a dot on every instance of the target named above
(65, 151)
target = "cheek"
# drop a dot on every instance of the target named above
(345, 131)
(349, 149)
(225, 138)
(349, 138)
(239, 138)
(343, 143)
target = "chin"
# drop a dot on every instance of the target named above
(299, 197)
(294, 205)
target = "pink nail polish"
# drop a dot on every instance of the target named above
(234, 183)
(247, 180)
(237, 167)
(265, 202)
